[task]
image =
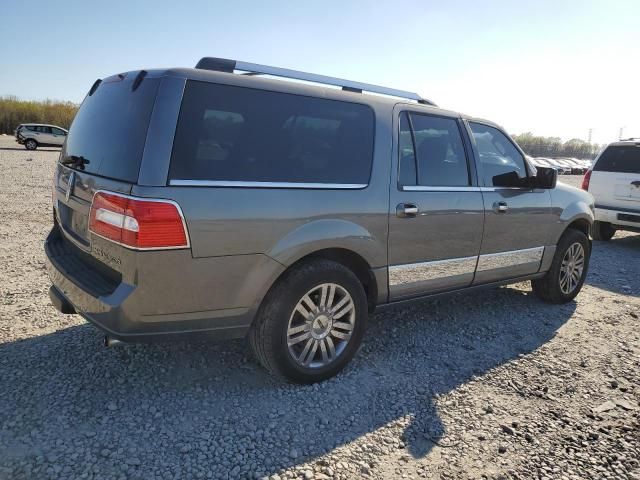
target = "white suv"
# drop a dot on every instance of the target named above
(614, 181)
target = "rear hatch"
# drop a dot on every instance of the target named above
(615, 180)
(103, 150)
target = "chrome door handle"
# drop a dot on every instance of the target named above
(406, 210)
(500, 207)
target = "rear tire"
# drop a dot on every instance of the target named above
(568, 270)
(30, 144)
(602, 231)
(309, 342)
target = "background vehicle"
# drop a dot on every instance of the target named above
(577, 167)
(228, 205)
(34, 135)
(614, 181)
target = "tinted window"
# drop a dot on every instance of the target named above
(57, 131)
(621, 159)
(228, 133)
(498, 155)
(406, 153)
(441, 159)
(108, 133)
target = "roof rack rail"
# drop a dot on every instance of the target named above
(629, 139)
(229, 66)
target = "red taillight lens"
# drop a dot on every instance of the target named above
(586, 180)
(138, 223)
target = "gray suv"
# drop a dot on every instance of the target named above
(224, 205)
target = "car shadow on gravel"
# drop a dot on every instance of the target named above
(615, 265)
(193, 407)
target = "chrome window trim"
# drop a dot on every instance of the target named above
(424, 188)
(493, 261)
(301, 185)
(497, 189)
(424, 271)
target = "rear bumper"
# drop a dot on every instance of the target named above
(621, 218)
(142, 312)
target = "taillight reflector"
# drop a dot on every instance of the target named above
(143, 224)
(585, 181)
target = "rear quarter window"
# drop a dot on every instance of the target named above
(237, 134)
(619, 159)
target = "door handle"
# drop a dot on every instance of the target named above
(500, 207)
(406, 210)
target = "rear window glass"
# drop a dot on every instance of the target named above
(620, 159)
(228, 133)
(108, 133)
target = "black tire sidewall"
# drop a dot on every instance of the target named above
(285, 298)
(603, 231)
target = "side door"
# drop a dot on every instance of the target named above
(58, 136)
(436, 212)
(46, 136)
(518, 220)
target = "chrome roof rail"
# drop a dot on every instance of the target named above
(229, 66)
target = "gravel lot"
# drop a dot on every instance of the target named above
(488, 385)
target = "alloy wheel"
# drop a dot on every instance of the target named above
(571, 268)
(321, 326)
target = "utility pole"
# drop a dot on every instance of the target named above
(590, 134)
(621, 133)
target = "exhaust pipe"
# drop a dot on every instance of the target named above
(112, 342)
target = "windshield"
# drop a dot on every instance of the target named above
(108, 133)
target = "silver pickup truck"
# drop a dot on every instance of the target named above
(224, 202)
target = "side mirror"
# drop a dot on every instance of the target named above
(545, 178)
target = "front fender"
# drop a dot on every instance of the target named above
(327, 233)
(578, 210)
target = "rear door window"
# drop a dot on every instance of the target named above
(432, 152)
(237, 134)
(109, 131)
(619, 159)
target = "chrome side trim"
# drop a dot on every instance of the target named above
(420, 188)
(225, 183)
(492, 261)
(424, 271)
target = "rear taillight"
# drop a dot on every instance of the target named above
(586, 180)
(139, 223)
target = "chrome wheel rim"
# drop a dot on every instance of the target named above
(321, 326)
(571, 268)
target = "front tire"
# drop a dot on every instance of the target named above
(568, 270)
(602, 231)
(311, 323)
(30, 144)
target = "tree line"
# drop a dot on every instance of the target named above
(554, 147)
(13, 112)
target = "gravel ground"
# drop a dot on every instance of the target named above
(487, 385)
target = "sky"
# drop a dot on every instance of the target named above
(554, 68)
